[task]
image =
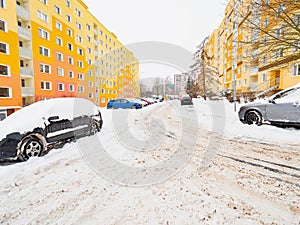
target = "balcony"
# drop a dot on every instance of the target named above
(25, 33)
(253, 86)
(96, 54)
(95, 32)
(22, 12)
(96, 42)
(26, 72)
(27, 91)
(253, 71)
(25, 52)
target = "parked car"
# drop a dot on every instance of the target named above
(123, 104)
(33, 129)
(137, 100)
(186, 100)
(282, 108)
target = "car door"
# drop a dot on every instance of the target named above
(58, 129)
(285, 107)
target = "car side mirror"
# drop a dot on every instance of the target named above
(51, 118)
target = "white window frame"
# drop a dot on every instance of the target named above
(70, 45)
(8, 71)
(69, 18)
(296, 70)
(43, 69)
(57, 9)
(78, 25)
(79, 38)
(44, 2)
(90, 84)
(9, 91)
(59, 41)
(70, 74)
(68, 4)
(90, 95)
(71, 88)
(62, 85)
(80, 76)
(70, 60)
(45, 84)
(43, 34)
(43, 50)
(80, 64)
(7, 48)
(80, 88)
(43, 16)
(78, 12)
(59, 54)
(79, 51)
(263, 77)
(62, 72)
(88, 27)
(5, 25)
(58, 25)
(69, 32)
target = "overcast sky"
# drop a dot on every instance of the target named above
(183, 23)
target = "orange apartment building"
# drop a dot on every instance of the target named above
(54, 49)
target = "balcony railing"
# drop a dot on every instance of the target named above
(24, 13)
(253, 86)
(27, 91)
(25, 52)
(253, 70)
(24, 71)
(24, 32)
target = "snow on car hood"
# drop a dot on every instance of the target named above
(35, 115)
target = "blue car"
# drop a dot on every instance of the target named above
(123, 104)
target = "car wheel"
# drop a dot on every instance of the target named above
(94, 128)
(253, 117)
(133, 107)
(31, 146)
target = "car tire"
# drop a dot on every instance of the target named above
(31, 146)
(94, 128)
(133, 107)
(253, 117)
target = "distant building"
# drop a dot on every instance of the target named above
(180, 81)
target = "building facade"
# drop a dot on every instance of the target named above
(249, 50)
(54, 49)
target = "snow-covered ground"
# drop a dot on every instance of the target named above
(230, 173)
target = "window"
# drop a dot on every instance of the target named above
(3, 26)
(4, 48)
(45, 68)
(43, 16)
(264, 59)
(58, 25)
(78, 12)
(5, 92)
(80, 64)
(71, 74)
(4, 70)
(295, 70)
(59, 41)
(263, 77)
(80, 88)
(90, 95)
(70, 46)
(89, 50)
(61, 87)
(90, 73)
(69, 32)
(69, 18)
(88, 27)
(79, 38)
(80, 76)
(101, 42)
(44, 51)
(43, 34)
(70, 61)
(57, 9)
(68, 3)
(60, 72)
(46, 85)
(78, 25)
(59, 56)
(71, 88)
(89, 61)
(88, 38)
(2, 3)
(266, 22)
(79, 51)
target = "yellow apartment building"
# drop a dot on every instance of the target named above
(257, 69)
(59, 49)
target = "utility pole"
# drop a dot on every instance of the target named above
(234, 52)
(203, 74)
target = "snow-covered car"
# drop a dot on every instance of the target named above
(282, 108)
(137, 100)
(33, 129)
